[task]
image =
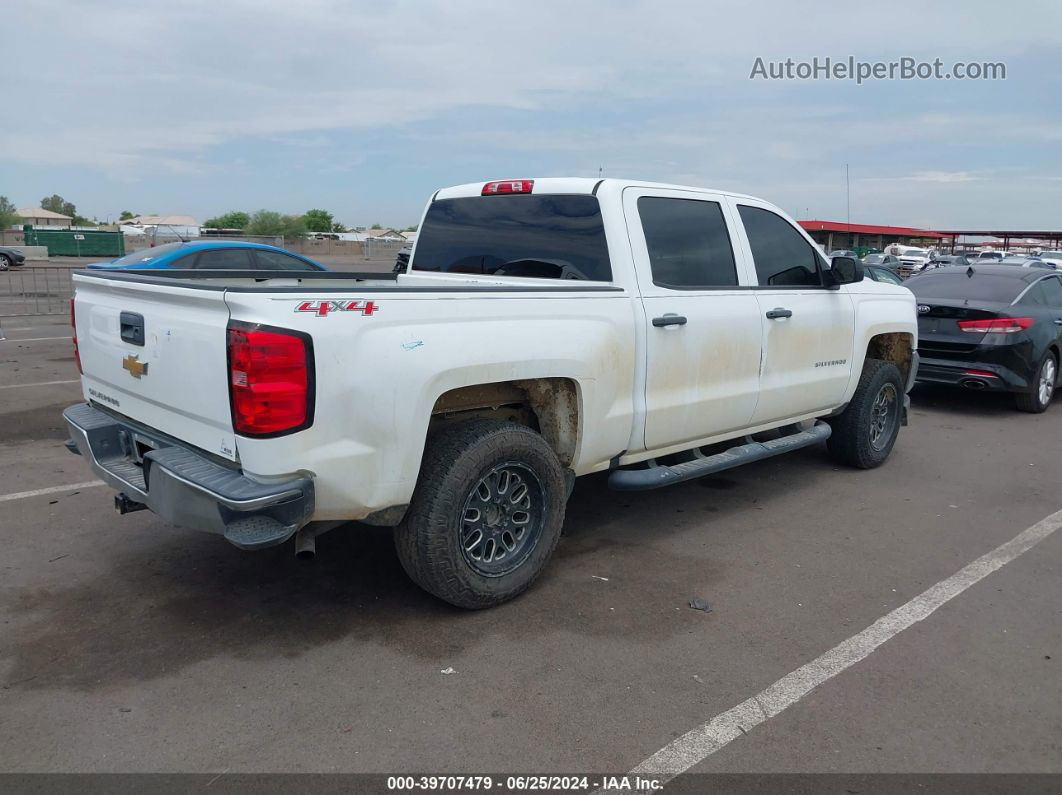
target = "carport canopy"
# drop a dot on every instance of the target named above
(1006, 235)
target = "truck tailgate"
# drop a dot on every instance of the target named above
(174, 377)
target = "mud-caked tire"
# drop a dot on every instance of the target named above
(486, 514)
(865, 432)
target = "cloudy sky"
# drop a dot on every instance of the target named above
(365, 108)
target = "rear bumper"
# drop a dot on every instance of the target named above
(184, 486)
(986, 376)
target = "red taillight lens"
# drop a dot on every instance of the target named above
(508, 186)
(73, 338)
(996, 325)
(270, 380)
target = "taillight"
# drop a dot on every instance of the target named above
(271, 388)
(508, 186)
(73, 338)
(996, 325)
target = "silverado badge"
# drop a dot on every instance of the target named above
(135, 367)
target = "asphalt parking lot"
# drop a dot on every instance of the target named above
(129, 645)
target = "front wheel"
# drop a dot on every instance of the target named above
(5, 262)
(865, 432)
(1042, 389)
(486, 514)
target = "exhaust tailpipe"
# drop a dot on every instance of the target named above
(305, 544)
(973, 383)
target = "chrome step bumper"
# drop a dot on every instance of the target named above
(184, 486)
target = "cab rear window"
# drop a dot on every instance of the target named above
(533, 236)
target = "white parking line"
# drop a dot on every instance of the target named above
(37, 339)
(19, 495)
(698, 744)
(39, 383)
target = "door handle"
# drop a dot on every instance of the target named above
(669, 320)
(777, 312)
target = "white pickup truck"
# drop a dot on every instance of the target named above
(543, 329)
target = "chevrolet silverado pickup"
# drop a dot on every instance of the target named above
(542, 330)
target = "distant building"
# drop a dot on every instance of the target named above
(161, 226)
(362, 235)
(837, 235)
(38, 216)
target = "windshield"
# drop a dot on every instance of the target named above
(914, 252)
(874, 259)
(148, 254)
(544, 236)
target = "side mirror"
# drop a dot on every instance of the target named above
(844, 270)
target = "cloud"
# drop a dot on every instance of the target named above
(198, 91)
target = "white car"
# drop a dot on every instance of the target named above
(543, 329)
(913, 260)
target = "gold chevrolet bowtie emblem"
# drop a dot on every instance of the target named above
(135, 367)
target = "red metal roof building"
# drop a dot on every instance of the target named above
(833, 235)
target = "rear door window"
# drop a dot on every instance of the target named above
(689, 246)
(278, 260)
(1035, 296)
(783, 257)
(534, 236)
(225, 259)
(1053, 291)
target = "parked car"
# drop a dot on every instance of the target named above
(912, 261)
(1052, 258)
(402, 258)
(1023, 261)
(882, 274)
(946, 260)
(11, 257)
(451, 402)
(843, 252)
(992, 255)
(883, 261)
(995, 328)
(211, 255)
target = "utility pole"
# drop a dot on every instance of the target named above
(848, 201)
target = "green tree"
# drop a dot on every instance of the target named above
(230, 220)
(410, 229)
(57, 204)
(375, 226)
(318, 220)
(338, 227)
(126, 215)
(8, 213)
(269, 223)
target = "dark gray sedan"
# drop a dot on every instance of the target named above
(9, 257)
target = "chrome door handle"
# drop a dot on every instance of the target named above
(777, 312)
(669, 320)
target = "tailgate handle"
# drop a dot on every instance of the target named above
(132, 328)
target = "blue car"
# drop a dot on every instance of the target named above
(212, 255)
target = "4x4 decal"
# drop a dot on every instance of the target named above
(323, 308)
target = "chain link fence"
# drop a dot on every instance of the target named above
(35, 291)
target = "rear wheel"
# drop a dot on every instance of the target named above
(865, 432)
(5, 262)
(486, 514)
(1042, 390)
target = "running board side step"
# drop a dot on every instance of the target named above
(659, 475)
